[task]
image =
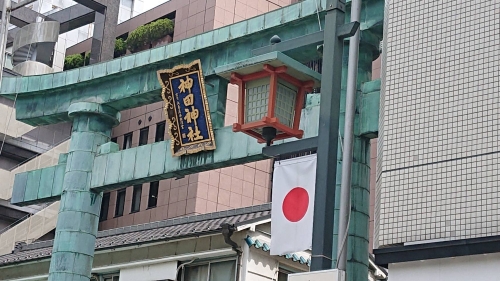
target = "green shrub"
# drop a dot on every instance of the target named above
(76, 61)
(86, 59)
(120, 47)
(160, 29)
(145, 34)
(138, 38)
(73, 61)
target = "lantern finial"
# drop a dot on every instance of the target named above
(275, 40)
(269, 133)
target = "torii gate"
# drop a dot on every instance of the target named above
(92, 97)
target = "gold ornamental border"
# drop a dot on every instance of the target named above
(208, 144)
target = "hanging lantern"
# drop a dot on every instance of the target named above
(272, 91)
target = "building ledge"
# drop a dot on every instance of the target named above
(437, 250)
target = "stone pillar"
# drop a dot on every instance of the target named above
(357, 255)
(76, 230)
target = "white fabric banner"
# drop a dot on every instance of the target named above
(292, 211)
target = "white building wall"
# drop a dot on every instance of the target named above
(438, 177)
(161, 271)
(261, 267)
(478, 267)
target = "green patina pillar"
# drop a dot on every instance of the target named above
(357, 255)
(76, 230)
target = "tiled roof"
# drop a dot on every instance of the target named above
(144, 233)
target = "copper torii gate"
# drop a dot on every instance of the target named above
(92, 97)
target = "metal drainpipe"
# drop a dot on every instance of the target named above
(227, 231)
(350, 112)
(238, 268)
(244, 261)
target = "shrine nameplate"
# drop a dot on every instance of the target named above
(186, 108)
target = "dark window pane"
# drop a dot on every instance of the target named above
(120, 203)
(104, 207)
(115, 140)
(143, 136)
(282, 276)
(127, 141)
(196, 273)
(153, 194)
(225, 270)
(136, 198)
(160, 132)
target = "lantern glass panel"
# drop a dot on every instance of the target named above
(257, 99)
(285, 102)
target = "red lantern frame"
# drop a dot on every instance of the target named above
(270, 120)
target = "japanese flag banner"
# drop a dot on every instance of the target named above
(292, 211)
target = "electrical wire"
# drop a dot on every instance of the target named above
(344, 239)
(317, 13)
(182, 266)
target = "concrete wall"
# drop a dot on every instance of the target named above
(440, 122)
(261, 266)
(479, 267)
(162, 271)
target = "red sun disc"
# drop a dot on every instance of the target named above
(295, 204)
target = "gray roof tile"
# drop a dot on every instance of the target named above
(145, 233)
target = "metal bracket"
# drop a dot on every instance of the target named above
(295, 43)
(347, 30)
(291, 148)
(336, 5)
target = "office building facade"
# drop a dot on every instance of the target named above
(437, 178)
(216, 190)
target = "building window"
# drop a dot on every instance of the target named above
(120, 202)
(111, 277)
(127, 3)
(104, 207)
(115, 140)
(210, 271)
(136, 198)
(160, 132)
(283, 274)
(153, 194)
(127, 141)
(143, 136)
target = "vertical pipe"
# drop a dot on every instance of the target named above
(345, 193)
(244, 261)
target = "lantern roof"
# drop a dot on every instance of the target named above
(275, 59)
